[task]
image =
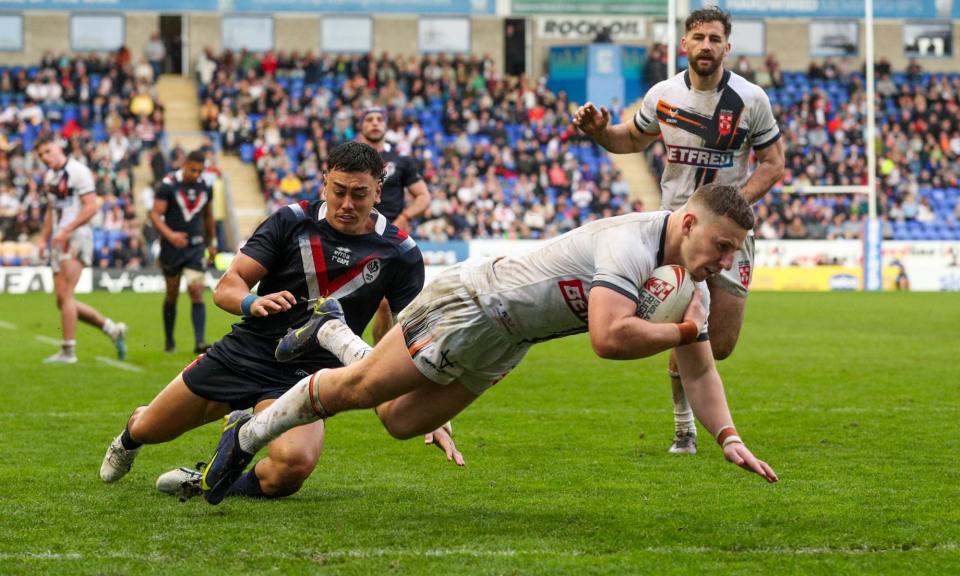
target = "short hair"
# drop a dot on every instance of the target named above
(197, 156)
(725, 200)
(709, 14)
(46, 137)
(373, 110)
(353, 157)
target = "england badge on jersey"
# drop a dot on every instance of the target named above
(726, 122)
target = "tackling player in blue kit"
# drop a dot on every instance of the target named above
(301, 254)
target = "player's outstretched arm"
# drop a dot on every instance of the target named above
(617, 333)
(235, 285)
(704, 390)
(623, 138)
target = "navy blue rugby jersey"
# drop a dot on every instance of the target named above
(185, 204)
(399, 173)
(307, 256)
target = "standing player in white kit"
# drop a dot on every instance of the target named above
(71, 203)
(709, 119)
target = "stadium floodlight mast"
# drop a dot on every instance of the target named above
(872, 232)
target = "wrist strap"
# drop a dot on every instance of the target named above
(727, 432)
(688, 332)
(246, 303)
(731, 440)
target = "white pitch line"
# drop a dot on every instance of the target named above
(7, 326)
(369, 553)
(49, 340)
(119, 364)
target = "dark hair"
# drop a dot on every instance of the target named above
(356, 157)
(197, 156)
(710, 14)
(45, 138)
(724, 200)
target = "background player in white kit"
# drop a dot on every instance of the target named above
(709, 119)
(474, 323)
(71, 203)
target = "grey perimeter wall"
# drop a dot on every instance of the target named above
(397, 34)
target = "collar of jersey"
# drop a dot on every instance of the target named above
(720, 86)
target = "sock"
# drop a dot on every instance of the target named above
(199, 314)
(109, 327)
(337, 337)
(128, 442)
(169, 319)
(69, 347)
(299, 405)
(682, 414)
(247, 485)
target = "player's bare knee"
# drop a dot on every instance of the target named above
(289, 470)
(396, 427)
(722, 348)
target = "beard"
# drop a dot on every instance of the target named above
(707, 67)
(374, 139)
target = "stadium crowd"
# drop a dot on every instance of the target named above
(104, 108)
(497, 152)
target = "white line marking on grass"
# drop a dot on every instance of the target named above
(49, 340)
(118, 364)
(7, 326)
(366, 553)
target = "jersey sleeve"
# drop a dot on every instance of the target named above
(81, 179)
(267, 242)
(763, 126)
(164, 192)
(646, 117)
(621, 263)
(411, 172)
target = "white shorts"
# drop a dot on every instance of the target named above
(737, 279)
(450, 338)
(79, 247)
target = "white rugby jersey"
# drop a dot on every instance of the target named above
(544, 294)
(64, 188)
(708, 135)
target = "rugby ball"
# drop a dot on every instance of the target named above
(666, 294)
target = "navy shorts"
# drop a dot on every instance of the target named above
(212, 380)
(174, 260)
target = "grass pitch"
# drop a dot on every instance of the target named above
(853, 398)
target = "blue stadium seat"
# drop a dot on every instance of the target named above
(246, 153)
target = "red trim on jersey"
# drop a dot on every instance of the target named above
(319, 263)
(349, 274)
(191, 206)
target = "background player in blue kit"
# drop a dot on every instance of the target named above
(183, 216)
(302, 253)
(401, 176)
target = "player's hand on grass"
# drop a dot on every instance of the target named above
(695, 311)
(591, 120)
(442, 438)
(272, 304)
(178, 239)
(738, 453)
